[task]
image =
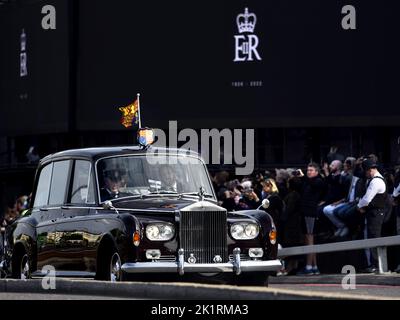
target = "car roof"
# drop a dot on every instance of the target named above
(93, 154)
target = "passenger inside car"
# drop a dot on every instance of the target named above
(114, 181)
(168, 179)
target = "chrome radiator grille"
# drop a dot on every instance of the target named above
(203, 234)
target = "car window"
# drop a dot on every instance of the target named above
(82, 183)
(43, 187)
(90, 197)
(134, 175)
(59, 181)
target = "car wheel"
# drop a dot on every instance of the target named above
(251, 279)
(22, 267)
(115, 268)
(109, 267)
(208, 278)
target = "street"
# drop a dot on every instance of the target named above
(322, 287)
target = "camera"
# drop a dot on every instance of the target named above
(296, 173)
(248, 191)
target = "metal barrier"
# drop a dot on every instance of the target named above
(380, 243)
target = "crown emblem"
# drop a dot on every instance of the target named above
(246, 21)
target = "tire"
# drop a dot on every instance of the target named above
(216, 278)
(109, 267)
(21, 266)
(251, 279)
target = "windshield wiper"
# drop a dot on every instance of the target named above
(161, 193)
(135, 196)
(174, 193)
(208, 195)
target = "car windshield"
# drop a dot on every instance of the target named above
(120, 177)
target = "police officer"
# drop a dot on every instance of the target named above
(372, 205)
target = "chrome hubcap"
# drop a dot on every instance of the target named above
(115, 274)
(25, 267)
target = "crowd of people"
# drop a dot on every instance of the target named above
(343, 199)
(10, 214)
(347, 198)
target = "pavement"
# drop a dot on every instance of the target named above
(373, 292)
(374, 286)
(390, 279)
(367, 287)
(48, 296)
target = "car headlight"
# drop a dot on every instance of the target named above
(245, 230)
(160, 231)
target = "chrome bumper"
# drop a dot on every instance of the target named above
(181, 267)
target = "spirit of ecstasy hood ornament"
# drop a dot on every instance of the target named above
(202, 193)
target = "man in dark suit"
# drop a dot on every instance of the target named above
(114, 180)
(169, 181)
(343, 216)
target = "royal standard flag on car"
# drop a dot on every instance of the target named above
(130, 115)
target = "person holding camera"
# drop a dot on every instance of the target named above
(249, 197)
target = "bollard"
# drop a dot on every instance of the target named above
(382, 260)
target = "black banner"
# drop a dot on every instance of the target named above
(206, 64)
(34, 66)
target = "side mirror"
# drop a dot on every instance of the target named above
(265, 203)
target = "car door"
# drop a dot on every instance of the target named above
(49, 197)
(45, 216)
(77, 242)
(51, 213)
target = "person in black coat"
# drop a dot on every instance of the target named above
(312, 194)
(291, 222)
(114, 179)
(291, 215)
(271, 192)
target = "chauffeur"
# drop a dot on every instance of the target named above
(113, 182)
(372, 204)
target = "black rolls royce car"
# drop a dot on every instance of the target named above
(113, 212)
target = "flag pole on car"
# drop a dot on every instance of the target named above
(138, 106)
(131, 117)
